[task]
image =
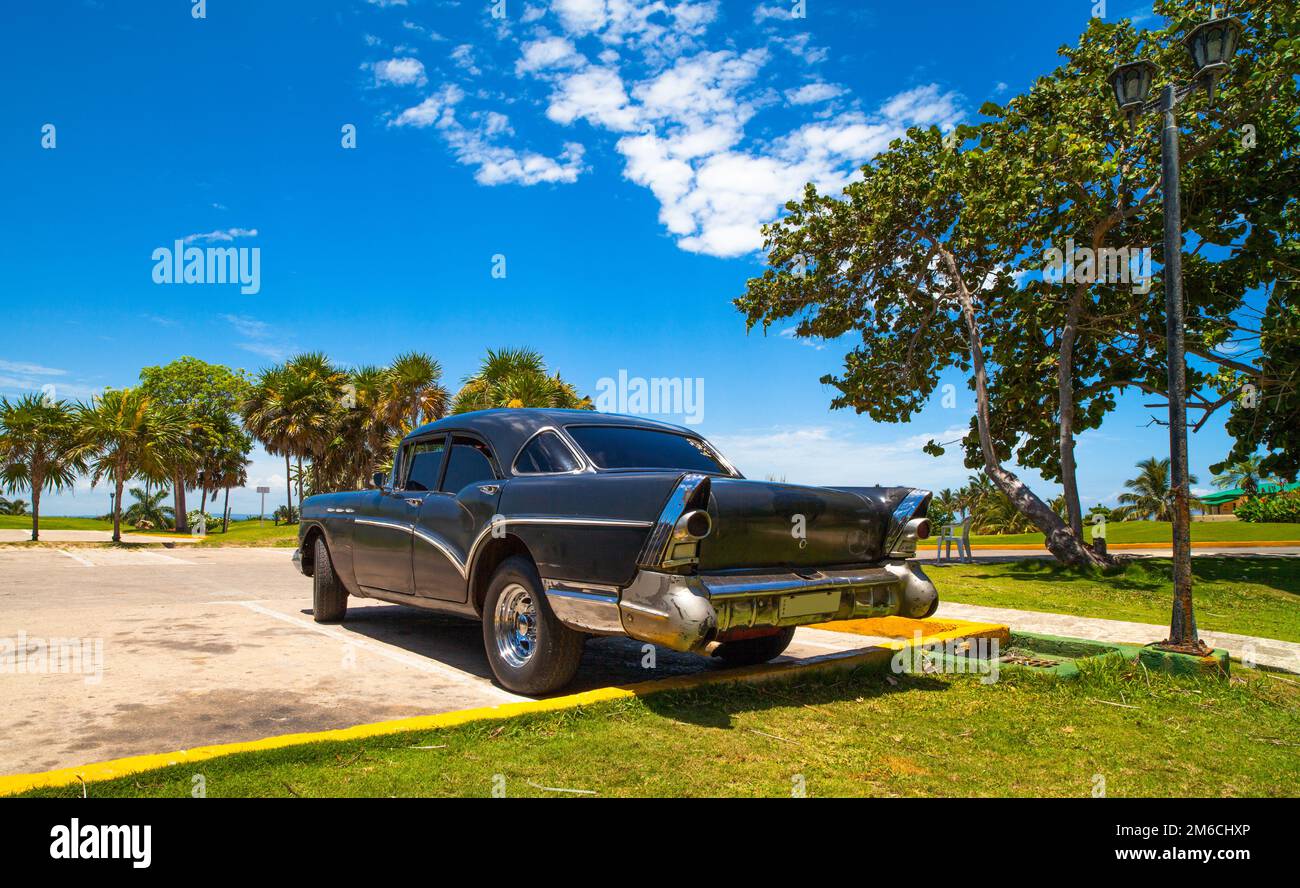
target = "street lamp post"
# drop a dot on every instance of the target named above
(1211, 45)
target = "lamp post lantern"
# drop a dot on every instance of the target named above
(1211, 46)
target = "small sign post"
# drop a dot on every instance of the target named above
(263, 491)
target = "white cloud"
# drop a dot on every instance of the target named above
(812, 93)
(478, 144)
(227, 234)
(777, 12)
(430, 110)
(463, 57)
(680, 113)
(27, 369)
(548, 52)
(399, 72)
(386, 3)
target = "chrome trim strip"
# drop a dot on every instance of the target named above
(574, 451)
(383, 522)
(442, 546)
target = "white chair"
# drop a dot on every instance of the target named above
(955, 533)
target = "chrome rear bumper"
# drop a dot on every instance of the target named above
(686, 613)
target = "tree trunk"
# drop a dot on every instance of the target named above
(117, 505)
(1065, 397)
(182, 514)
(37, 483)
(225, 513)
(300, 480)
(1059, 539)
(288, 485)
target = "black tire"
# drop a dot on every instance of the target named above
(329, 598)
(555, 649)
(750, 651)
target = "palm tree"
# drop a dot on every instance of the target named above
(265, 413)
(38, 450)
(230, 471)
(126, 434)
(516, 378)
(1151, 497)
(148, 507)
(412, 392)
(1245, 474)
(996, 514)
(13, 507)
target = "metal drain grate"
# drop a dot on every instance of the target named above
(1037, 662)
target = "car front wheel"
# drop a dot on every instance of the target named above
(329, 598)
(529, 649)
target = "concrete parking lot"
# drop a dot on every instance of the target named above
(163, 650)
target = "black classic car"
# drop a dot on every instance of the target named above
(553, 525)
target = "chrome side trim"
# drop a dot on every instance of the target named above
(539, 519)
(384, 522)
(442, 546)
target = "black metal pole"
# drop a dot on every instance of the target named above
(1182, 624)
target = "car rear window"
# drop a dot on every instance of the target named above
(627, 447)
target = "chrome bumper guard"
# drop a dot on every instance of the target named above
(297, 561)
(686, 613)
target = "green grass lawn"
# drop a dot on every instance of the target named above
(849, 734)
(1251, 596)
(54, 522)
(1119, 532)
(250, 533)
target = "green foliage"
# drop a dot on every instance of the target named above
(148, 508)
(516, 378)
(1275, 507)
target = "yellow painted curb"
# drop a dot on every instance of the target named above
(881, 654)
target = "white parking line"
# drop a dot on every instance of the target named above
(84, 562)
(420, 663)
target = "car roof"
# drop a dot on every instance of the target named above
(508, 428)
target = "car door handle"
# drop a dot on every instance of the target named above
(414, 501)
(489, 489)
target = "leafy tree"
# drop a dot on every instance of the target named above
(516, 378)
(207, 396)
(926, 258)
(38, 450)
(148, 506)
(126, 434)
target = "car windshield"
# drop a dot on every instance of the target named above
(627, 447)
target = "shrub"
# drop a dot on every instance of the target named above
(1277, 507)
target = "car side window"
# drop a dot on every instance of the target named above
(424, 459)
(469, 461)
(546, 454)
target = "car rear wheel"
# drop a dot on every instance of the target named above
(749, 651)
(529, 649)
(329, 598)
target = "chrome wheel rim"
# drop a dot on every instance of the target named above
(515, 625)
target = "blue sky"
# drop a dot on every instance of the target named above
(619, 156)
